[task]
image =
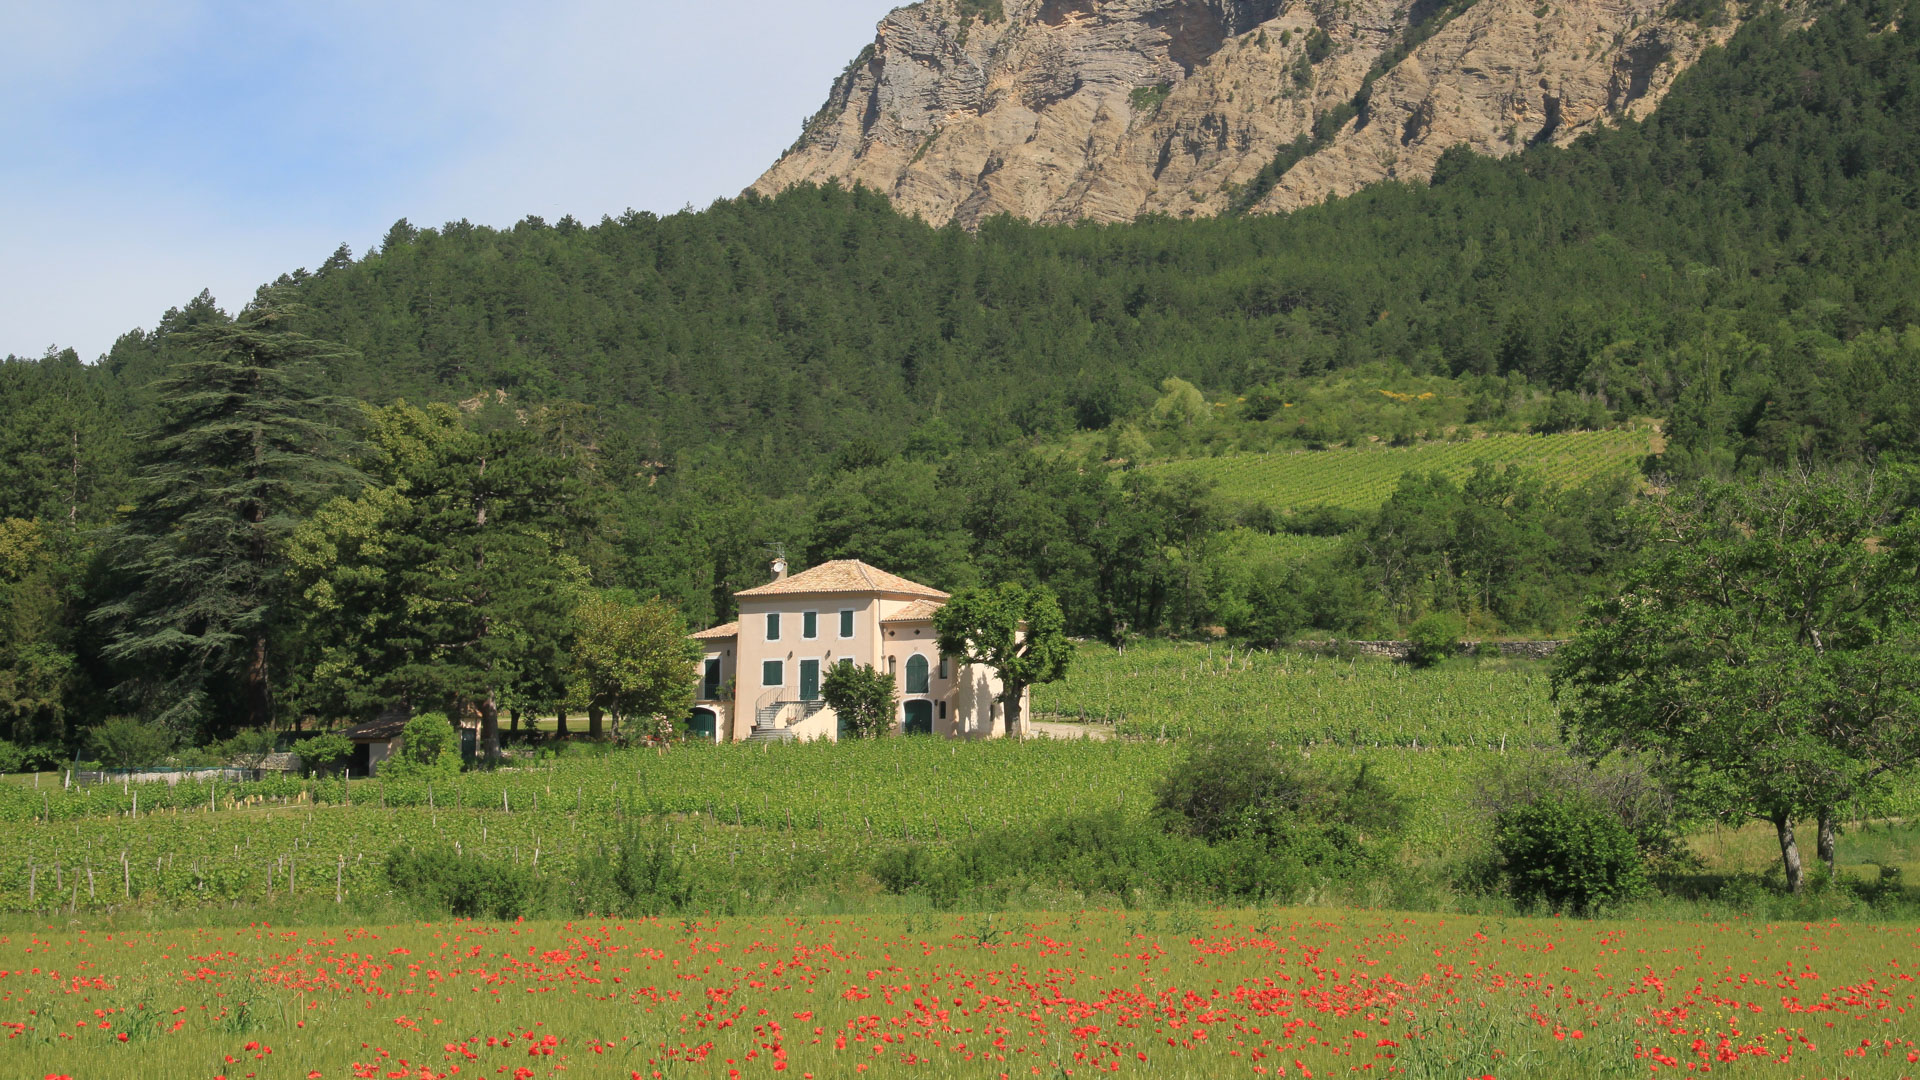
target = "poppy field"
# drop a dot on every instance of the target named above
(1290, 992)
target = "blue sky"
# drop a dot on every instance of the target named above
(151, 149)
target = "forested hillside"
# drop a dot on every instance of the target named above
(817, 372)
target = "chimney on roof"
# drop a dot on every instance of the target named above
(780, 568)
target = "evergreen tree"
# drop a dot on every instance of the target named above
(445, 583)
(243, 447)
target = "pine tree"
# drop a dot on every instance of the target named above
(243, 446)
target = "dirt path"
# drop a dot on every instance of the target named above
(1055, 730)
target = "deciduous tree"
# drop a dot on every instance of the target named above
(1017, 631)
(1763, 656)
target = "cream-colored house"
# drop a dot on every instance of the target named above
(761, 675)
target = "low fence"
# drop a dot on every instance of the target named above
(270, 765)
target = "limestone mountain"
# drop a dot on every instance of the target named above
(1062, 110)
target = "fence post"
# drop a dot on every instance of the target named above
(339, 872)
(126, 875)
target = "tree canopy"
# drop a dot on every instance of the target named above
(1765, 655)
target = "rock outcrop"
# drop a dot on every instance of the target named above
(1063, 110)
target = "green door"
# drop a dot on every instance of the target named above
(809, 680)
(701, 724)
(919, 717)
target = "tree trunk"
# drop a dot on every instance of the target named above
(1010, 708)
(1789, 852)
(490, 729)
(560, 725)
(513, 725)
(1828, 831)
(594, 718)
(258, 689)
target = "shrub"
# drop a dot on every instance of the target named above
(1434, 637)
(467, 886)
(246, 750)
(1569, 850)
(862, 697)
(324, 753)
(641, 877)
(429, 748)
(126, 743)
(1106, 853)
(12, 758)
(1241, 790)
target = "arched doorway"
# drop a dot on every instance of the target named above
(919, 718)
(702, 724)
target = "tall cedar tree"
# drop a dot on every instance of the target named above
(243, 447)
(1764, 657)
(444, 586)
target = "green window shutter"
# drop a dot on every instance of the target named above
(773, 673)
(916, 674)
(773, 626)
(810, 624)
(846, 624)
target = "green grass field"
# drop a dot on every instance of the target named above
(1361, 478)
(1183, 994)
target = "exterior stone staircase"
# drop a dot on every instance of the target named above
(770, 721)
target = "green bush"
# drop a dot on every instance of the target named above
(12, 758)
(429, 748)
(1570, 851)
(126, 743)
(466, 886)
(1434, 637)
(641, 876)
(324, 753)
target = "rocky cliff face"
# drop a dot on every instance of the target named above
(1061, 110)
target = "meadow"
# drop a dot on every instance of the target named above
(1362, 477)
(1273, 992)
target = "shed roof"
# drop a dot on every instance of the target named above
(719, 633)
(388, 725)
(843, 576)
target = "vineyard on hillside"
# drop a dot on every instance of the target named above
(763, 825)
(769, 824)
(1169, 689)
(1361, 478)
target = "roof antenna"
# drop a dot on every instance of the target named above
(779, 562)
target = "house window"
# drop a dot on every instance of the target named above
(773, 626)
(809, 624)
(846, 661)
(943, 667)
(846, 624)
(710, 684)
(916, 674)
(943, 710)
(773, 673)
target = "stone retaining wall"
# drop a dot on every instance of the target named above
(1400, 650)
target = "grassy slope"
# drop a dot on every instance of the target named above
(1361, 477)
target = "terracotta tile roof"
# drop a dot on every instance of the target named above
(843, 576)
(918, 611)
(724, 630)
